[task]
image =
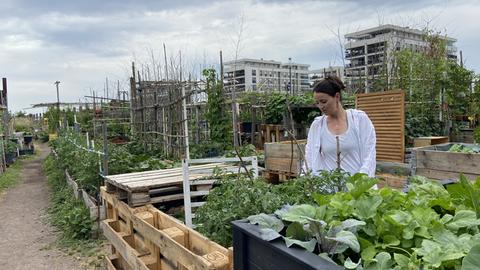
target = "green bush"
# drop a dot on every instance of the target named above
(476, 135)
(237, 198)
(66, 212)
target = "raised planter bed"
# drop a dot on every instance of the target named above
(435, 162)
(253, 253)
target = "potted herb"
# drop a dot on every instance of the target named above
(10, 151)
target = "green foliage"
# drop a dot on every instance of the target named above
(23, 124)
(66, 212)
(362, 228)
(276, 107)
(10, 147)
(424, 75)
(235, 199)
(206, 149)
(217, 114)
(460, 148)
(476, 135)
(71, 148)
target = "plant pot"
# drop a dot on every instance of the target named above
(27, 138)
(10, 158)
(251, 252)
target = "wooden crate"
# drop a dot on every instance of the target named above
(436, 162)
(426, 141)
(279, 158)
(146, 238)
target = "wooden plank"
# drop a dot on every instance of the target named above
(156, 172)
(128, 253)
(442, 175)
(282, 164)
(282, 150)
(447, 161)
(169, 248)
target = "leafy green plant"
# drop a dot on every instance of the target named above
(66, 212)
(476, 135)
(459, 148)
(10, 147)
(237, 198)
(217, 116)
(426, 228)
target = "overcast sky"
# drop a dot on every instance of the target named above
(80, 43)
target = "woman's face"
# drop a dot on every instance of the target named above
(327, 104)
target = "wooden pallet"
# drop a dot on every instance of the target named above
(161, 186)
(146, 238)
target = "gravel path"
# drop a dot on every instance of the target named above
(25, 236)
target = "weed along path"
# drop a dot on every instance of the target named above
(25, 235)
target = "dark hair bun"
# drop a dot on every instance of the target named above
(330, 85)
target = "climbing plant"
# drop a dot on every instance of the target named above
(217, 115)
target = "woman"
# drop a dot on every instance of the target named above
(339, 138)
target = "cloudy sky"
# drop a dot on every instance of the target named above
(81, 43)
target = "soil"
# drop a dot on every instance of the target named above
(27, 240)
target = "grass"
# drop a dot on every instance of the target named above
(12, 176)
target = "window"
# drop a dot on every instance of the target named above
(254, 72)
(254, 80)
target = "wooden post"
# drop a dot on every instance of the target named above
(186, 193)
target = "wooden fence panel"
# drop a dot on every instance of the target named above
(387, 112)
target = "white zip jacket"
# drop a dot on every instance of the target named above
(366, 141)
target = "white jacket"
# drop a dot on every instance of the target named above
(366, 140)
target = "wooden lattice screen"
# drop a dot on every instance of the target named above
(387, 112)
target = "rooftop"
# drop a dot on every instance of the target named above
(382, 29)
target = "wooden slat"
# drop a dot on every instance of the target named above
(447, 161)
(177, 247)
(442, 175)
(124, 249)
(386, 111)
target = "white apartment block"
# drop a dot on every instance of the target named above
(265, 75)
(321, 73)
(370, 52)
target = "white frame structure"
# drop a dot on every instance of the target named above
(186, 180)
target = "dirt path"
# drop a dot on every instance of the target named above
(25, 236)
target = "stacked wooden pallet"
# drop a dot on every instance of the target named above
(161, 186)
(146, 238)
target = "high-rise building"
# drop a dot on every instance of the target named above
(370, 52)
(265, 75)
(321, 73)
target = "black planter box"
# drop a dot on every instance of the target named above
(253, 253)
(10, 158)
(27, 138)
(26, 152)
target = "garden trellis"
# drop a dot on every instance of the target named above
(168, 113)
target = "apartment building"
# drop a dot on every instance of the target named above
(265, 75)
(370, 52)
(321, 73)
